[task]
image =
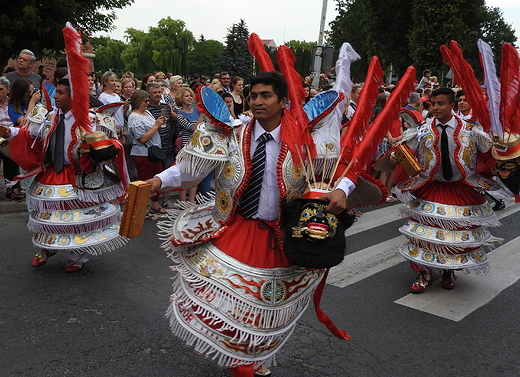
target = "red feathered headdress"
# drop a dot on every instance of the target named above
(465, 77)
(78, 71)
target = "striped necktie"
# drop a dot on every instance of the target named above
(251, 197)
(447, 173)
(59, 145)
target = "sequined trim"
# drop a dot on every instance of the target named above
(476, 259)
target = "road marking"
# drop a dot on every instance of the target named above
(367, 262)
(371, 260)
(374, 219)
(471, 290)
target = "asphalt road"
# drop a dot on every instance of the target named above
(108, 319)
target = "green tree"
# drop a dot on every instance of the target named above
(406, 32)
(496, 31)
(137, 55)
(236, 59)
(37, 25)
(163, 48)
(205, 58)
(108, 54)
(302, 50)
(348, 27)
(171, 42)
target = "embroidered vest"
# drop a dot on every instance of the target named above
(465, 157)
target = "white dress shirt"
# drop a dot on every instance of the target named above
(269, 205)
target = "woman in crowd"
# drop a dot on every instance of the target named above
(128, 89)
(175, 84)
(94, 103)
(217, 86)
(228, 99)
(118, 88)
(22, 100)
(184, 100)
(109, 80)
(307, 89)
(96, 88)
(145, 130)
(10, 168)
(126, 94)
(237, 85)
(147, 79)
(160, 77)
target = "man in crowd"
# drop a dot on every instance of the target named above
(464, 109)
(414, 101)
(354, 97)
(448, 215)
(168, 130)
(24, 64)
(225, 81)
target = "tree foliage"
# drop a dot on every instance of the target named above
(406, 32)
(162, 48)
(205, 58)
(236, 59)
(37, 25)
(302, 50)
(108, 54)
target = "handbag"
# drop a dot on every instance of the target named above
(156, 154)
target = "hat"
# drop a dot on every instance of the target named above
(507, 148)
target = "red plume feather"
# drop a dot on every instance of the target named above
(257, 49)
(360, 122)
(367, 147)
(296, 94)
(78, 72)
(465, 77)
(510, 90)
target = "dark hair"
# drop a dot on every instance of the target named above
(18, 91)
(426, 71)
(61, 63)
(459, 94)
(145, 79)
(226, 95)
(59, 73)
(355, 88)
(275, 79)
(450, 94)
(224, 73)
(64, 82)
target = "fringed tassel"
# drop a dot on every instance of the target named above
(404, 196)
(447, 248)
(450, 224)
(105, 247)
(196, 165)
(39, 227)
(483, 267)
(102, 195)
(235, 309)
